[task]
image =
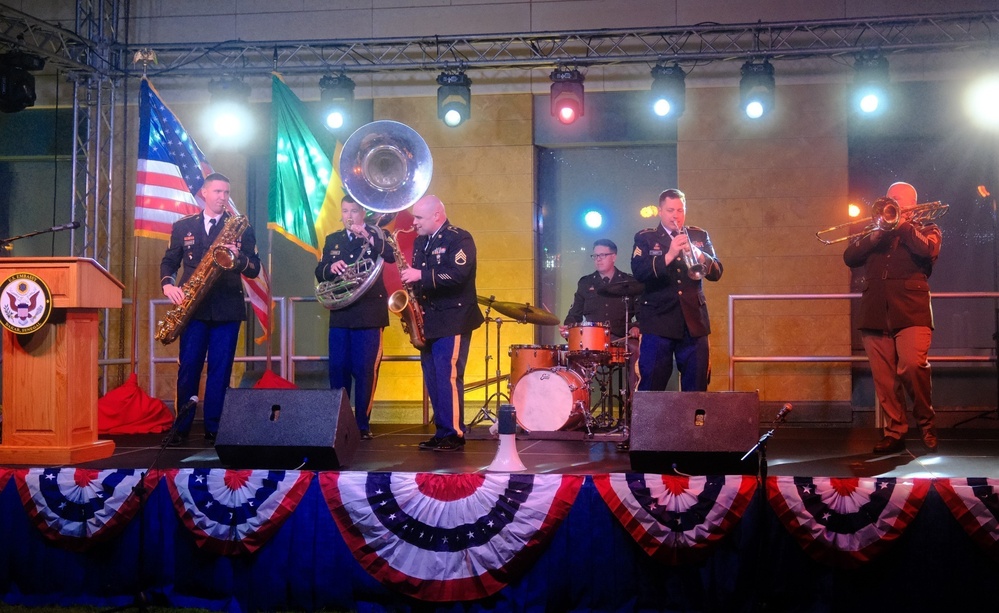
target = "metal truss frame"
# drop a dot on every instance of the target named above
(701, 43)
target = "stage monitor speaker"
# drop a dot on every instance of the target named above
(287, 429)
(694, 433)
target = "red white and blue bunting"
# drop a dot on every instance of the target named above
(444, 537)
(975, 505)
(845, 522)
(235, 511)
(79, 508)
(676, 519)
(5, 475)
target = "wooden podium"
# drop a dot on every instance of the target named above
(50, 376)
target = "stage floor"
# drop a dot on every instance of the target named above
(792, 451)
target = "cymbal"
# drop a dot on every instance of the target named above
(485, 301)
(628, 287)
(525, 313)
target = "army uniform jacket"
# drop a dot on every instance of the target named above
(370, 310)
(188, 245)
(446, 292)
(895, 288)
(671, 298)
(596, 308)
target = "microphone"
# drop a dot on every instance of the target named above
(69, 226)
(784, 410)
(190, 405)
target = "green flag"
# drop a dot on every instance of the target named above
(304, 181)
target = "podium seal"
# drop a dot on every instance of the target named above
(25, 303)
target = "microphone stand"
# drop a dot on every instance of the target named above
(141, 600)
(5, 243)
(761, 491)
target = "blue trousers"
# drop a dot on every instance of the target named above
(215, 340)
(655, 362)
(355, 355)
(443, 361)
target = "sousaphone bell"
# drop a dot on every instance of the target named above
(386, 166)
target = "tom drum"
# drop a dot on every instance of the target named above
(526, 358)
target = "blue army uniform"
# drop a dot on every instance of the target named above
(589, 304)
(214, 327)
(672, 311)
(447, 295)
(355, 336)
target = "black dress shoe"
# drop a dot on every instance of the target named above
(366, 435)
(889, 444)
(430, 444)
(177, 439)
(624, 446)
(930, 439)
(450, 443)
(210, 436)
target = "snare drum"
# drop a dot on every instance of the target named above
(525, 358)
(617, 354)
(551, 399)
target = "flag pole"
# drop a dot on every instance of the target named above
(270, 294)
(135, 304)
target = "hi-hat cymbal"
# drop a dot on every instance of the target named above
(628, 287)
(484, 301)
(525, 313)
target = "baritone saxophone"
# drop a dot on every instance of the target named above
(216, 260)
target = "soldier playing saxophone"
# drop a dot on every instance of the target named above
(214, 327)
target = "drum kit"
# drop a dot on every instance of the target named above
(550, 385)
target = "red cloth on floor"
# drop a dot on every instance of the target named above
(271, 381)
(130, 410)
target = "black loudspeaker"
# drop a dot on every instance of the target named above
(286, 429)
(695, 433)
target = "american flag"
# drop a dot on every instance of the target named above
(170, 171)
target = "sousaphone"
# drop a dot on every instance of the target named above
(386, 167)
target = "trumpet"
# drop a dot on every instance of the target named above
(695, 270)
(886, 215)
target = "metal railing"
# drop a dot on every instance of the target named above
(733, 358)
(286, 357)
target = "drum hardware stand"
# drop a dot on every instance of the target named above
(484, 414)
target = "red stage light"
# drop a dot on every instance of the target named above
(567, 95)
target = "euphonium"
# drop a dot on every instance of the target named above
(695, 270)
(403, 303)
(356, 279)
(217, 259)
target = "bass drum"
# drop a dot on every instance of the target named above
(553, 399)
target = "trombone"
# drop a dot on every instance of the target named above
(885, 216)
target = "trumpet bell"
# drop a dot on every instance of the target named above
(386, 166)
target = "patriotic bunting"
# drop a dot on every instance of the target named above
(79, 508)
(845, 522)
(232, 512)
(5, 475)
(443, 537)
(975, 506)
(676, 519)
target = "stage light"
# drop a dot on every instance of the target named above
(756, 89)
(17, 84)
(981, 102)
(228, 114)
(870, 83)
(669, 91)
(567, 95)
(454, 98)
(593, 219)
(336, 97)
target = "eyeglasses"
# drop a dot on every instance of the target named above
(600, 256)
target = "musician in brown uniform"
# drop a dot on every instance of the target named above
(213, 330)
(895, 317)
(355, 337)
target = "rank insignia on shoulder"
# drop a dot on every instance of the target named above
(460, 258)
(637, 253)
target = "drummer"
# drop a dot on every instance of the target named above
(588, 305)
